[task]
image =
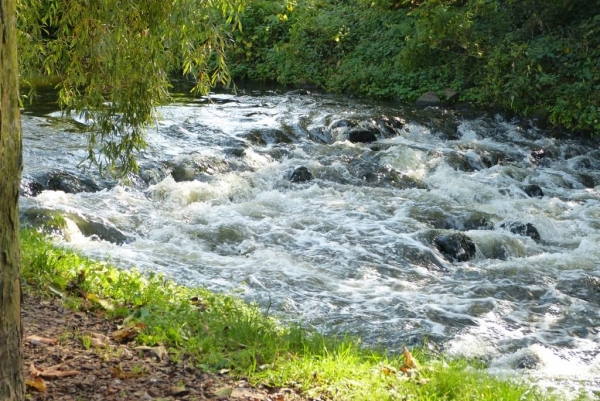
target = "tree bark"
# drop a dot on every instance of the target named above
(12, 381)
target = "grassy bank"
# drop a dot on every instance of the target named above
(535, 58)
(216, 332)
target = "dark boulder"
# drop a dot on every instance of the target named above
(152, 173)
(455, 246)
(533, 191)
(421, 256)
(451, 95)
(268, 136)
(354, 131)
(30, 187)
(55, 221)
(527, 361)
(540, 154)
(301, 174)
(59, 181)
(362, 134)
(458, 161)
(343, 123)
(196, 167)
(539, 117)
(298, 92)
(585, 179)
(428, 99)
(70, 183)
(526, 230)
(384, 176)
(390, 126)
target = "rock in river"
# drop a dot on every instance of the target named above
(455, 246)
(524, 229)
(301, 174)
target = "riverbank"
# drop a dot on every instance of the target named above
(118, 334)
(535, 59)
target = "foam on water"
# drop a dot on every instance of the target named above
(341, 253)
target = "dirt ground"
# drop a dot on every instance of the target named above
(73, 356)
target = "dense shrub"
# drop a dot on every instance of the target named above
(529, 56)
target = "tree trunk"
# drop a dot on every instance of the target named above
(12, 381)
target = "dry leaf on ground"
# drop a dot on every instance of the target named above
(99, 340)
(159, 351)
(37, 383)
(37, 340)
(52, 372)
(242, 393)
(128, 332)
(410, 363)
(118, 373)
(223, 392)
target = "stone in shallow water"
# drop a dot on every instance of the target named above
(301, 174)
(362, 135)
(533, 191)
(455, 246)
(526, 230)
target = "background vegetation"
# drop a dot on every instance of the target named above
(534, 57)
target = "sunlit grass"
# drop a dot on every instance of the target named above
(217, 332)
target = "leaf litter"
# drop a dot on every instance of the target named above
(113, 367)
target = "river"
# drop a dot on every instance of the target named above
(350, 242)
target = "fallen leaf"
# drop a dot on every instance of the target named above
(246, 394)
(99, 340)
(128, 332)
(37, 383)
(159, 351)
(118, 373)
(102, 302)
(56, 291)
(223, 392)
(179, 391)
(410, 363)
(388, 370)
(52, 372)
(37, 340)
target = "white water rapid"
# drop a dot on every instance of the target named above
(353, 249)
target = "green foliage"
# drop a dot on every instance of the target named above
(526, 56)
(217, 332)
(111, 60)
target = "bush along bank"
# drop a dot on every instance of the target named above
(214, 332)
(538, 59)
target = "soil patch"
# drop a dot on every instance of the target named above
(71, 356)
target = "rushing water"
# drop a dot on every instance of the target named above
(354, 249)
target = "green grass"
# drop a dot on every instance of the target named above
(216, 332)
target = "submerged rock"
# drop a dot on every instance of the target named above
(301, 174)
(268, 136)
(362, 134)
(455, 246)
(526, 230)
(30, 187)
(70, 183)
(59, 181)
(57, 222)
(421, 256)
(533, 191)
